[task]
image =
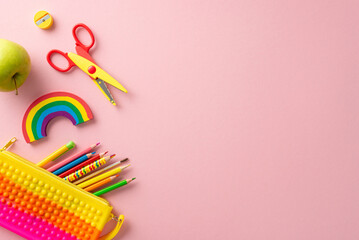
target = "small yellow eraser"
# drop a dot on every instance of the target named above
(43, 20)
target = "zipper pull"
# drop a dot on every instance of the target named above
(117, 219)
(11, 142)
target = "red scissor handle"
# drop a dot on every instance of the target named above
(78, 42)
(71, 63)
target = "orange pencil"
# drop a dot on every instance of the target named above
(100, 183)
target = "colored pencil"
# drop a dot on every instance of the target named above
(85, 163)
(100, 183)
(87, 169)
(73, 163)
(56, 154)
(71, 158)
(102, 176)
(91, 175)
(113, 187)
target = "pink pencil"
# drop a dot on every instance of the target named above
(71, 158)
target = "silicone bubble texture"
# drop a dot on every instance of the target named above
(36, 204)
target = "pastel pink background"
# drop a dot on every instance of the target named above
(241, 119)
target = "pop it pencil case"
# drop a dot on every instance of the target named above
(36, 204)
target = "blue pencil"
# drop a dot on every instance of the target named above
(73, 163)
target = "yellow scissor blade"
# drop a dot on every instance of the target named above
(84, 65)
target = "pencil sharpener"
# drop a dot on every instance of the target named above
(43, 20)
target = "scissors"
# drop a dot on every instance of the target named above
(85, 62)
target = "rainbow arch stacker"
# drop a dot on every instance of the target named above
(49, 106)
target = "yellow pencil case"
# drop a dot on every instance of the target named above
(37, 204)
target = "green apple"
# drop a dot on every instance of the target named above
(15, 65)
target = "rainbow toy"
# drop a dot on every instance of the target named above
(49, 106)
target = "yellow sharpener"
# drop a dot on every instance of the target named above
(43, 20)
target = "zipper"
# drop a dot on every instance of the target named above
(9, 144)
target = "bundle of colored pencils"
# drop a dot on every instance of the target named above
(87, 169)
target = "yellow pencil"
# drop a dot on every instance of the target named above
(56, 154)
(102, 176)
(93, 174)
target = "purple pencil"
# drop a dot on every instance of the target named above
(71, 158)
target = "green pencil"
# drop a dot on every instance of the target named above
(113, 187)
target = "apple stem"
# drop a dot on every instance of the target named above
(16, 91)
